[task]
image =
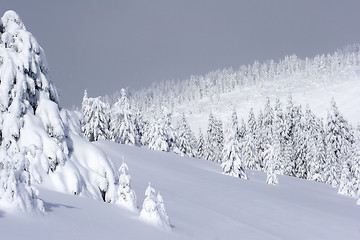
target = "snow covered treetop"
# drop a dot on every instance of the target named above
(29, 58)
(149, 191)
(12, 22)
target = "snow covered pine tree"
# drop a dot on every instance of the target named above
(95, 124)
(34, 140)
(26, 98)
(122, 126)
(232, 159)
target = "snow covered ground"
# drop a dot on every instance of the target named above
(201, 202)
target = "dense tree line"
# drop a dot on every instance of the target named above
(280, 140)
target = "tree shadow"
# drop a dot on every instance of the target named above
(49, 207)
(2, 214)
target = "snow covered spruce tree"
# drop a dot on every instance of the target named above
(290, 122)
(214, 140)
(338, 138)
(232, 159)
(34, 138)
(315, 147)
(153, 210)
(350, 173)
(200, 146)
(25, 89)
(24, 92)
(279, 132)
(249, 144)
(122, 127)
(299, 145)
(184, 136)
(157, 136)
(95, 125)
(265, 131)
(142, 128)
(271, 158)
(125, 194)
(169, 129)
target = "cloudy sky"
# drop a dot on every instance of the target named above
(107, 45)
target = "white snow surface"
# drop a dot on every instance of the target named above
(201, 203)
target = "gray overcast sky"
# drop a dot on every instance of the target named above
(106, 45)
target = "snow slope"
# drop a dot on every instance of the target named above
(201, 202)
(317, 94)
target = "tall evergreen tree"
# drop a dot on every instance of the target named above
(26, 96)
(338, 138)
(271, 159)
(142, 128)
(95, 125)
(214, 140)
(299, 145)
(232, 159)
(122, 127)
(200, 146)
(279, 133)
(184, 145)
(350, 174)
(249, 144)
(261, 139)
(291, 119)
(34, 130)
(315, 154)
(169, 129)
(157, 137)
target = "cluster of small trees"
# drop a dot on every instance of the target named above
(102, 122)
(153, 208)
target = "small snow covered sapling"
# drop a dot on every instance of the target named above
(125, 194)
(153, 210)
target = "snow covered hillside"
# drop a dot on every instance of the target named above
(58, 177)
(201, 203)
(316, 94)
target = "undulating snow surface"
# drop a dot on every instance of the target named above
(201, 203)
